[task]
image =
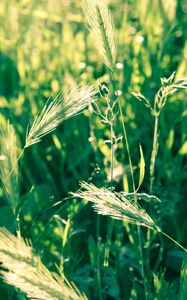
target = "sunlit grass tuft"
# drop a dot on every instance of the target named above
(56, 111)
(9, 173)
(114, 205)
(25, 271)
(101, 28)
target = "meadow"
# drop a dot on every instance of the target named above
(93, 146)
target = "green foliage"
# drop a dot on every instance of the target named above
(183, 281)
(45, 49)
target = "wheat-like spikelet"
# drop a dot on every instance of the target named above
(25, 271)
(101, 28)
(56, 111)
(115, 205)
(9, 172)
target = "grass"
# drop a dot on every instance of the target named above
(129, 157)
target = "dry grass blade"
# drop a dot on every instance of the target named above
(101, 29)
(56, 111)
(114, 205)
(26, 272)
(9, 172)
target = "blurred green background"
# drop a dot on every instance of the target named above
(45, 47)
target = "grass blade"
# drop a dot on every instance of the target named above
(142, 168)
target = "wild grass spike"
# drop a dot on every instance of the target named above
(115, 205)
(100, 25)
(9, 173)
(56, 111)
(168, 88)
(25, 271)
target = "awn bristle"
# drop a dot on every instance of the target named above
(26, 272)
(9, 172)
(114, 205)
(56, 111)
(101, 28)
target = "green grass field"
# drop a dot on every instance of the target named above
(93, 167)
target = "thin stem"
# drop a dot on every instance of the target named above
(108, 242)
(141, 262)
(18, 228)
(112, 155)
(174, 241)
(110, 221)
(152, 165)
(127, 146)
(124, 133)
(154, 153)
(98, 274)
(134, 189)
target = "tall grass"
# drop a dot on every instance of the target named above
(128, 186)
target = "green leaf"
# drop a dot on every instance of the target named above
(142, 168)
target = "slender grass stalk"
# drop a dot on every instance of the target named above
(108, 117)
(110, 223)
(154, 154)
(152, 176)
(112, 154)
(127, 146)
(101, 25)
(169, 87)
(174, 241)
(133, 185)
(98, 259)
(113, 80)
(142, 262)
